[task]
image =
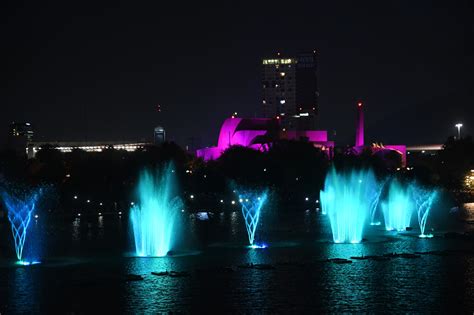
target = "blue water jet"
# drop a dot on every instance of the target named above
(375, 203)
(155, 219)
(398, 208)
(20, 210)
(347, 199)
(424, 199)
(252, 203)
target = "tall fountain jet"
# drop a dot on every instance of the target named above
(398, 208)
(21, 209)
(359, 141)
(252, 204)
(424, 199)
(155, 219)
(347, 199)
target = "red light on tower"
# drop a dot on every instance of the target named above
(359, 104)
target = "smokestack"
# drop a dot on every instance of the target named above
(359, 125)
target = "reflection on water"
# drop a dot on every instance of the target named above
(302, 281)
(23, 290)
(76, 232)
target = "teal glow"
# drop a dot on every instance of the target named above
(27, 263)
(375, 203)
(252, 204)
(424, 199)
(258, 246)
(347, 199)
(20, 211)
(398, 208)
(155, 219)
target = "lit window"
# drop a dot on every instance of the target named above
(282, 101)
(282, 74)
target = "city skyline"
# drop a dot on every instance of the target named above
(100, 73)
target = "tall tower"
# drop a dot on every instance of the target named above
(359, 125)
(290, 90)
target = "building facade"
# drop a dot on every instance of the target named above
(19, 136)
(159, 135)
(290, 90)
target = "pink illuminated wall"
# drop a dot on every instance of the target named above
(230, 135)
(244, 132)
(359, 141)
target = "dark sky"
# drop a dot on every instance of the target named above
(97, 70)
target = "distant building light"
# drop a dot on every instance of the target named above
(304, 114)
(264, 102)
(222, 201)
(282, 74)
(278, 61)
(233, 202)
(192, 196)
(282, 101)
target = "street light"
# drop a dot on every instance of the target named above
(459, 125)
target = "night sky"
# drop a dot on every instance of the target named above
(97, 71)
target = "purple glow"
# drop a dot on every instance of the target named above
(247, 131)
(359, 142)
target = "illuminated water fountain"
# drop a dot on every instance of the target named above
(252, 204)
(155, 219)
(21, 209)
(347, 199)
(424, 199)
(375, 203)
(398, 208)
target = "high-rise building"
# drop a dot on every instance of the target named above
(290, 90)
(21, 130)
(159, 135)
(20, 135)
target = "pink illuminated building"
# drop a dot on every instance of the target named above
(376, 149)
(259, 134)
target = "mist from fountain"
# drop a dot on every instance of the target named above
(21, 207)
(252, 203)
(155, 218)
(424, 199)
(347, 199)
(398, 208)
